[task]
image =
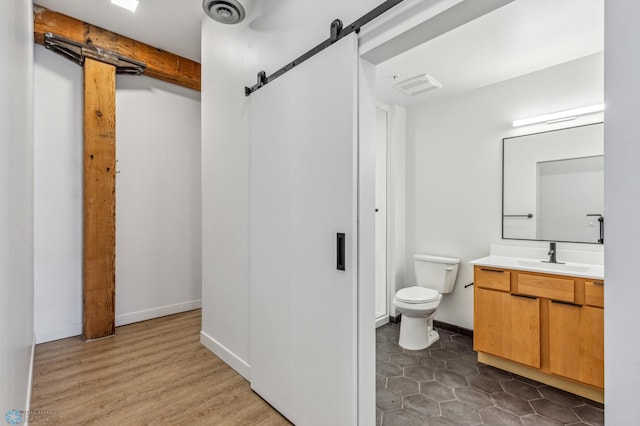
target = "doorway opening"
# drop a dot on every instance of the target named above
(491, 69)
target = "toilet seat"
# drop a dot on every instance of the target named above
(416, 295)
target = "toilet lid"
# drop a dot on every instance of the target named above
(416, 294)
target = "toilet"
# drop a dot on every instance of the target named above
(435, 276)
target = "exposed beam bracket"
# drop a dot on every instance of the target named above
(77, 52)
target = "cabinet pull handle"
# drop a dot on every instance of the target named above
(566, 303)
(524, 297)
(601, 283)
(492, 270)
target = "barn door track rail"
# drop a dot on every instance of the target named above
(337, 32)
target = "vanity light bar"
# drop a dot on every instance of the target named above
(559, 116)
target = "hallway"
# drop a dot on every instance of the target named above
(152, 372)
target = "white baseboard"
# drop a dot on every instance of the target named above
(382, 320)
(162, 311)
(122, 319)
(30, 380)
(231, 359)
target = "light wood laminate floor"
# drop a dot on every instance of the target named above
(153, 372)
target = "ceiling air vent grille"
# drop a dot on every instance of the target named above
(418, 85)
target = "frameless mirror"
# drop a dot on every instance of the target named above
(553, 186)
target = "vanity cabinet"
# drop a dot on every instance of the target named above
(546, 327)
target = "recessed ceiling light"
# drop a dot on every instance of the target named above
(126, 4)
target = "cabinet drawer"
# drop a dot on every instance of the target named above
(562, 289)
(492, 278)
(594, 293)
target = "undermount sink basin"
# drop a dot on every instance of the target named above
(553, 266)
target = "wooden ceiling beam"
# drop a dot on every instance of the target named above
(162, 65)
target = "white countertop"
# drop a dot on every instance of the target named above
(582, 270)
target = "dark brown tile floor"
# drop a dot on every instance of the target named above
(444, 385)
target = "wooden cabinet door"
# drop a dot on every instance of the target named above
(508, 326)
(488, 313)
(576, 342)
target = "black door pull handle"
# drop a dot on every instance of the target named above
(340, 251)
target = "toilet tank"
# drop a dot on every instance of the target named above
(436, 272)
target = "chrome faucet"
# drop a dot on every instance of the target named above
(552, 254)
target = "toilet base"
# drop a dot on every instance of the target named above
(417, 333)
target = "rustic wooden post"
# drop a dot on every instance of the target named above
(99, 237)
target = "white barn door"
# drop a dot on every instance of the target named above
(303, 196)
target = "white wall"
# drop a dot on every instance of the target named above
(225, 195)
(622, 174)
(16, 205)
(454, 165)
(58, 201)
(158, 226)
(158, 260)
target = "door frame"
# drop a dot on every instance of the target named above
(388, 295)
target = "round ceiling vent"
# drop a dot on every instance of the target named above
(224, 11)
